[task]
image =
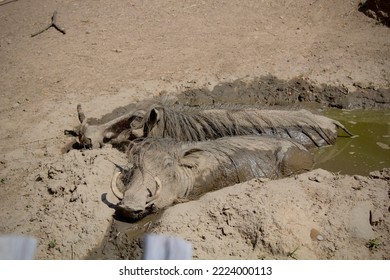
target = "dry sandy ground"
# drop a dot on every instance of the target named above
(317, 215)
(118, 52)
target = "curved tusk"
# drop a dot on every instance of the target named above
(158, 191)
(114, 188)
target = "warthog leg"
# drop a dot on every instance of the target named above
(114, 188)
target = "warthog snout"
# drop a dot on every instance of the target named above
(140, 200)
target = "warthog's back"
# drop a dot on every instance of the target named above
(186, 124)
(231, 160)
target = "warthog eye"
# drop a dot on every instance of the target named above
(152, 197)
(136, 122)
(150, 194)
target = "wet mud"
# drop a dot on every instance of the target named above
(295, 93)
(377, 9)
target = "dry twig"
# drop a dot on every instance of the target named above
(52, 24)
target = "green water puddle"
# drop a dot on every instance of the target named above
(368, 151)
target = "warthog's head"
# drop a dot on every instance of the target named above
(140, 196)
(118, 130)
(154, 181)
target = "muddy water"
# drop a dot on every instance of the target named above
(368, 151)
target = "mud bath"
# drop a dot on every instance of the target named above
(351, 155)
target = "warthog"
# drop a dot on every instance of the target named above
(193, 124)
(197, 124)
(165, 170)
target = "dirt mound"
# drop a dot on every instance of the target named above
(62, 203)
(317, 215)
(377, 9)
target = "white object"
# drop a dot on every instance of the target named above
(17, 247)
(161, 247)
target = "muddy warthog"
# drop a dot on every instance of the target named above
(165, 170)
(197, 124)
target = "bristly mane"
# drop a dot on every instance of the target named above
(198, 125)
(190, 126)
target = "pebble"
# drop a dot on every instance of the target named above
(315, 235)
(320, 237)
(316, 178)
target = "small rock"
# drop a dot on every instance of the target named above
(263, 180)
(315, 235)
(359, 178)
(316, 178)
(320, 237)
(74, 197)
(39, 178)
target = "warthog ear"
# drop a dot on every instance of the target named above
(152, 120)
(80, 113)
(190, 158)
